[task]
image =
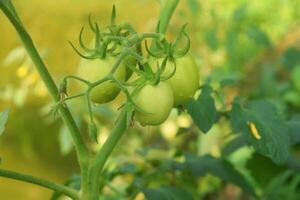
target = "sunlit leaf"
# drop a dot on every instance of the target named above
(3, 120)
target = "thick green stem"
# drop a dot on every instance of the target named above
(101, 157)
(41, 182)
(165, 15)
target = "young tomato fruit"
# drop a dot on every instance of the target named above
(93, 70)
(155, 102)
(185, 80)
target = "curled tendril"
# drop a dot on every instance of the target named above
(91, 24)
(184, 51)
(97, 36)
(113, 15)
(81, 42)
(90, 57)
(164, 78)
(156, 54)
(162, 48)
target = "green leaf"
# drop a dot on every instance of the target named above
(234, 145)
(200, 166)
(273, 130)
(296, 77)
(194, 6)
(284, 186)
(167, 193)
(290, 58)
(203, 110)
(3, 120)
(259, 37)
(294, 125)
(211, 38)
(265, 171)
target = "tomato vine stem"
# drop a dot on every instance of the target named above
(41, 182)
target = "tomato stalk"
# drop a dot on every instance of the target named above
(41, 182)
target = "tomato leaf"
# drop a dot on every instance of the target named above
(258, 36)
(203, 110)
(296, 77)
(273, 131)
(290, 58)
(200, 166)
(294, 125)
(167, 193)
(234, 145)
(3, 120)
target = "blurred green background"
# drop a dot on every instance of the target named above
(254, 42)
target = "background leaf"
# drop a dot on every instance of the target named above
(167, 193)
(274, 131)
(200, 166)
(203, 110)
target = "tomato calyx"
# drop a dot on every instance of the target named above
(161, 48)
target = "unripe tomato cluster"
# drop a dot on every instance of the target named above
(154, 101)
(165, 78)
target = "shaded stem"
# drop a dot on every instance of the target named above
(41, 182)
(102, 156)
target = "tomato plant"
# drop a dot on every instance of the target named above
(233, 128)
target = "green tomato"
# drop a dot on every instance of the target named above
(155, 103)
(94, 70)
(129, 60)
(185, 81)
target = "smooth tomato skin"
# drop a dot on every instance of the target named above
(156, 102)
(93, 70)
(185, 81)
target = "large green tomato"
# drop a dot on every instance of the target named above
(93, 70)
(155, 102)
(185, 81)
